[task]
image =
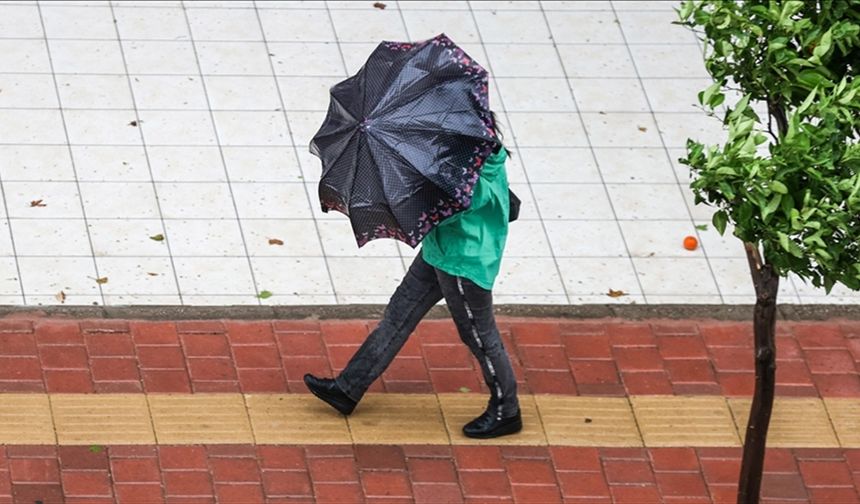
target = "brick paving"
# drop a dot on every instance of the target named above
(586, 358)
(416, 473)
(614, 358)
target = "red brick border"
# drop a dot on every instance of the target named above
(246, 473)
(550, 356)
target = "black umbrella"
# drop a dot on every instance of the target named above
(404, 140)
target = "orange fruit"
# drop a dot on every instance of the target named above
(691, 243)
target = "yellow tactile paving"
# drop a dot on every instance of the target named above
(795, 423)
(651, 421)
(588, 421)
(684, 421)
(458, 409)
(845, 417)
(295, 419)
(398, 419)
(102, 419)
(200, 418)
(26, 419)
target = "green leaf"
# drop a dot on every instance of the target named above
(809, 79)
(702, 227)
(745, 212)
(96, 448)
(778, 187)
(828, 284)
(709, 92)
(794, 217)
(158, 237)
(789, 8)
(717, 100)
(465, 390)
(771, 206)
(849, 96)
(795, 250)
(808, 101)
(783, 240)
(824, 44)
(799, 62)
(787, 204)
(719, 220)
(264, 294)
(686, 10)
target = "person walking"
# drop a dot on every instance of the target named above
(411, 150)
(459, 261)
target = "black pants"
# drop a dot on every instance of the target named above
(472, 310)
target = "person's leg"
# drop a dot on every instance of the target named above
(471, 308)
(415, 296)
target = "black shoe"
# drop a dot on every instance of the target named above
(488, 426)
(327, 390)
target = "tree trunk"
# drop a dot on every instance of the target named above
(766, 282)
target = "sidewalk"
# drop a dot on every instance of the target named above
(204, 411)
(191, 120)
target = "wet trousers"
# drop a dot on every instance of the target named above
(471, 308)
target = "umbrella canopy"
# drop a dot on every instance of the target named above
(404, 140)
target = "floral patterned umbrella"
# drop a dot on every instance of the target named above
(404, 140)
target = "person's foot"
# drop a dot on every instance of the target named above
(327, 390)
(488, 426)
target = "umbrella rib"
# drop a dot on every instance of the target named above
(342, 106)
(434, 113)
(442, 130)
(381, 183)
(384, 110)
(343, 151)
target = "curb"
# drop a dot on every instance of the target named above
(362, 311)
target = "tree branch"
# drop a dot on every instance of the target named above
(755, 262)
(776, 108)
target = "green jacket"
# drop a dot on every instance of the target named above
(470, 243)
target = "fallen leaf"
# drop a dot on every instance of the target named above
(643, 129)
(96, 448)
(601, 112)
(151, 274)
(465, 390)
(380, 5)
(702, 227)
(36, 203)
(616, 293)
(264, 294)
(61, 297)
(133, 123)
(158, 237)
(587, 420)
(275, 241)
(102, 280)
